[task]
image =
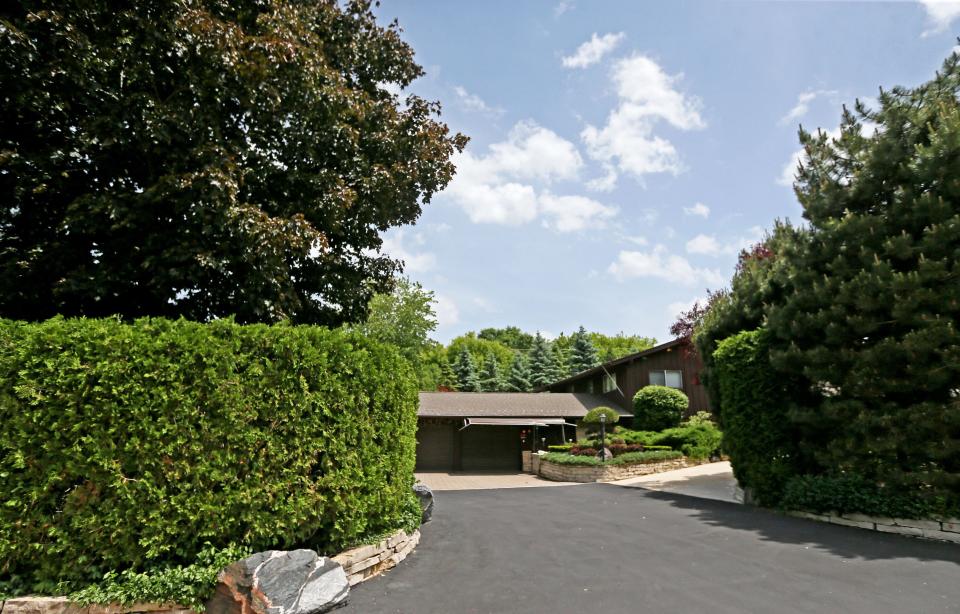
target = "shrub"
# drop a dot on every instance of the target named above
(645, 457)
(697, 441)
(658, 407)
(756, 431)
(844, 494)
(561, 447)
(592, 418)
(624, 459)
(189, 585)
(132, 446)
(570, 459)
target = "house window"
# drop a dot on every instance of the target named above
(609, 382)
(673, 379)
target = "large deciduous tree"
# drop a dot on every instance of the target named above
(207, 157)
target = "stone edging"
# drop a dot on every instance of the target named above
(365, 562)
(609, 473)
(943, 530)
(361, 563)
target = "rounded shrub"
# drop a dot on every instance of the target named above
(656, 408)
(592, 418)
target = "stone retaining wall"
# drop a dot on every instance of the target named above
(609, 473)
(360, 564)
(944, 530)
(365, 562)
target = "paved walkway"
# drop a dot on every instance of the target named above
(604, 548)
(710, 481)
(483, 481)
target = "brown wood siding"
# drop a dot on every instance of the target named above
(634, 375)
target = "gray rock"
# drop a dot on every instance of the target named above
(425, 495)
(280, 582)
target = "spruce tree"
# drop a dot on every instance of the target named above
(519, 378)
(584, 355)
(466, 371)
(491, 380)
(541, 371)
(559, 363)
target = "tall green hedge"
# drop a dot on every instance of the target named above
(756, 430)
(125, 445)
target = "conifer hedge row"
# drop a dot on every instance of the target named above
(127, 445)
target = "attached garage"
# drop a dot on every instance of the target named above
(435, 445)
(470, 431)
(491, 448)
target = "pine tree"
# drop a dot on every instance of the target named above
(559, 363)
(491, 380)
(540, 368)
(519, 378)
(466, 371)
(584, 354)
(448, 377)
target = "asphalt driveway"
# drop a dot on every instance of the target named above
(608, 548)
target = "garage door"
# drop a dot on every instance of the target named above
(435, 447)
(491, 448)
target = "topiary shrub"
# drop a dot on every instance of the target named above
(658, 407)
(130, 446)
(592, 418)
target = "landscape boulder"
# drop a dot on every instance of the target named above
(280, 582)
(425, 495)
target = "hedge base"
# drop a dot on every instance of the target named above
(610, 473)
(360, 564)
(947, 530)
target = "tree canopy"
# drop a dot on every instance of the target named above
(207, 158)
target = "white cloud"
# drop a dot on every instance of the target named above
(446, 309)
(571, 213)
(496, 188)
(803, 104)
(592, 51)
(660, 264)
(605, 183)
(708, 245)
(647, 96)
(562, 7)
(704, 244)
(940, 14)
(698, 209)
(472, 102)
(415, 262)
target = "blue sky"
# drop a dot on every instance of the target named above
(622, 152)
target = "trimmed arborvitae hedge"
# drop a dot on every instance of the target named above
(656, 408)
(124, 446)
(756, 430)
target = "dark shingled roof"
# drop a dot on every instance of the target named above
(511, 404)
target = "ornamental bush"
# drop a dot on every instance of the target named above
(592, 417)
(851, 493)
(699, 440)
(757, 434)
(658, 407)
(133, 446)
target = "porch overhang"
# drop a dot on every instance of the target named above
(514, 422)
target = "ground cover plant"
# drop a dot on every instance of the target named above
(137, 446)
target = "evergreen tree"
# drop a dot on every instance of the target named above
(584, 354)
(448, 377)
(541, 371)
(519, 378)
(466, 372)
(491, 380)
(559, 363)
